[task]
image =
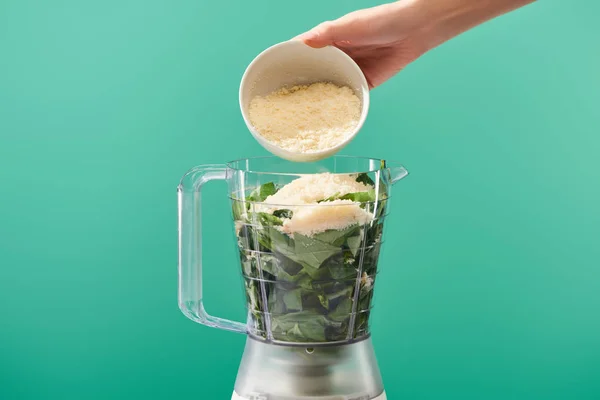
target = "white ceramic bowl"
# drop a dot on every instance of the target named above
(295, 63)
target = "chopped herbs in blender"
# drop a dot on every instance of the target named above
(309, 266)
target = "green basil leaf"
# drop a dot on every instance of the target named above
(340, 267)
(284, 213)
(330, 198)
(267, 219)
(354, 242)
(324, 300)
(364, 178)
(262, 192)
(302, 326)
(342, 311)
(336, 237)
(358, 197)
(293, 300)
(311, 252)
(238, 210)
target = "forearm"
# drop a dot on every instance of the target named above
(441, 20)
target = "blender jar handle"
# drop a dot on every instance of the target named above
(190, 246)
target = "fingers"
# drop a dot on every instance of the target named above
(349, 29)
(322, 35)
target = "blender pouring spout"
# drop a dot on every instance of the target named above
(395, 171)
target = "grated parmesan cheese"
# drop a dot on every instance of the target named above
(336, 214)
(309, 189)
(306, 118)
(309, 217)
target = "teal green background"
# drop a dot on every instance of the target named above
(491, 277)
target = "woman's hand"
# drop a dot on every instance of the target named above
(385, 39)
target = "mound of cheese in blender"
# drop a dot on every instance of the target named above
(311, 190)
(306, 118)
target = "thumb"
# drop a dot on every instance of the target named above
(324, 34)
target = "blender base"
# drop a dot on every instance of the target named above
(236, 397)
(335, 372)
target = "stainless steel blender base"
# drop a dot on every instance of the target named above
(236, 397)
(276, 372)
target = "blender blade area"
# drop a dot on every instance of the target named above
(335, 372)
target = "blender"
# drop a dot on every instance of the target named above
(308, 298)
